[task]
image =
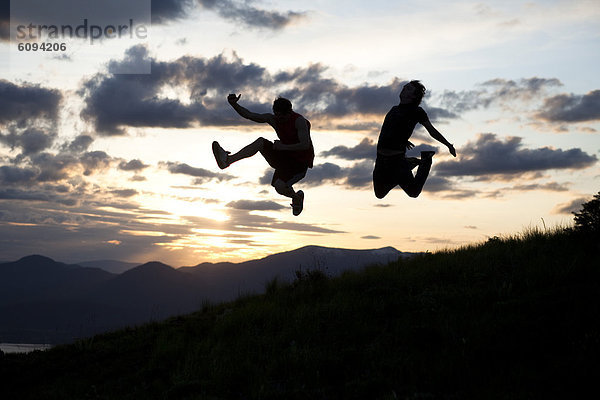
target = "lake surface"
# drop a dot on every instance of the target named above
(22, 347)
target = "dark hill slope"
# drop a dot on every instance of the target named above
(154, 289)
(514, 318)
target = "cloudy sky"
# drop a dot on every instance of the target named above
(97, 164)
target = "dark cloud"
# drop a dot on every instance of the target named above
(28, 117)
(124, 192)
(357, 176)
(245, 13)
(138, 178)
(524, 88)
(254, 205)
(358, 126)
(366, 149)
(570, 207)
(370, 237)
(30, 140)
(37, 196)
(200, 173)
(244, 220)
(54, 168)
(26, 101)
(164, 11)
(488, 156)
(331, 98)
(121, 100)
(360, 175)
(572, 108)
(133, 165)
(16, 175)
(80, 144)
(326, 97)
(45, 167)
(550, 186)
(320, 174)
(299, 227)
(95, 160)
(437, 183)
(117, 101)
(496, 91)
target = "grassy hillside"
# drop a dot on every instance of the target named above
(516, 317)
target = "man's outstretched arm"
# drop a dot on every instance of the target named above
(244, 112)
(439, 137)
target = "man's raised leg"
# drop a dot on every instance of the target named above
(247, 151)
(414, 185)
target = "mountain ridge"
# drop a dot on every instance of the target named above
(81, 301)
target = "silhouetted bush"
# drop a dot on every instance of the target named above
(588, 219)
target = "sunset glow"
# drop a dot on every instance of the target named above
(103, 165)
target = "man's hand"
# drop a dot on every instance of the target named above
(452, 150)
(277, 145)
(409, 145)
(233, 99)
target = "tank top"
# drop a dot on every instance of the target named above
(288, 134)
(398, 126)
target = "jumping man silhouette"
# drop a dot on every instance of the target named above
(392, 168)
(290, 156)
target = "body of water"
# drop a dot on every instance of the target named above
(22, 347)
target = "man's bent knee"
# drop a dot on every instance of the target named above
(380, 194)
(413, 193)
(381, 190)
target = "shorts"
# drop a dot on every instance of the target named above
(287, 168)
(391, 169)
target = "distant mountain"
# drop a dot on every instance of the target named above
(44, 301)
(112, 266)
(37, 278)
(154, 289)
(229, 280)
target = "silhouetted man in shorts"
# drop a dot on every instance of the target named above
(392, 168)
(290, 156)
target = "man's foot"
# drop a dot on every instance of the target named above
(427, 155)
(220, 155)
(298, 203)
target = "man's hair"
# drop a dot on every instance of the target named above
(282, 105)
(420, 90)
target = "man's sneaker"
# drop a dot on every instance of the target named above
(220, 155)
(298, 205)
(427, 155)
